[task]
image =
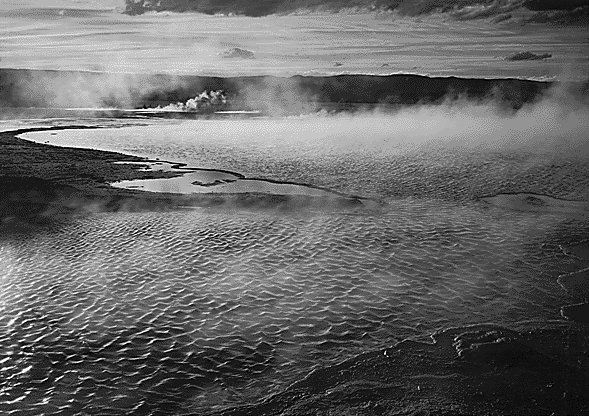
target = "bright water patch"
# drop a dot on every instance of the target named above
(205, 182)
(194, 181)
(161, 312)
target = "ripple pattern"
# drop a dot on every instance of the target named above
(157, 313)
(160, 313)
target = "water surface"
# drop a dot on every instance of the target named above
(195, 309)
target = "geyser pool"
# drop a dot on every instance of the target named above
(201, 308)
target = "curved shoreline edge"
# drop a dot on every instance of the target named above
(184, 168)
(181, 168)
(39, 182)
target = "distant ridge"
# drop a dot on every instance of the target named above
(67, 89)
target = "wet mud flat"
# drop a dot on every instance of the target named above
(102, 336)
(577, 283)
(481, 370)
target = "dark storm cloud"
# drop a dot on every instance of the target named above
(560, 11)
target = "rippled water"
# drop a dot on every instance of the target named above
(430, 153)
(169, 312)
(165, 311)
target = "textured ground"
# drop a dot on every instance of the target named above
(478, 370)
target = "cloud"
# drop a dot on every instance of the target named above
(549, 11)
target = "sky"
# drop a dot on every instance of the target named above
(42, 34)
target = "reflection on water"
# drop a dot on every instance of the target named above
(210, 181)
(194, 180)
(197, 182)
(159, 312)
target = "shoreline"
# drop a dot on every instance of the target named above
(39, 181)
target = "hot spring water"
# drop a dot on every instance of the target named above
(198, 308)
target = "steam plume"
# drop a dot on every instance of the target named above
(205, 101)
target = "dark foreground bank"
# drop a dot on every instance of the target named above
(40, 183)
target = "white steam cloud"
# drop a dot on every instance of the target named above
(557, 125)
(205, 101)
